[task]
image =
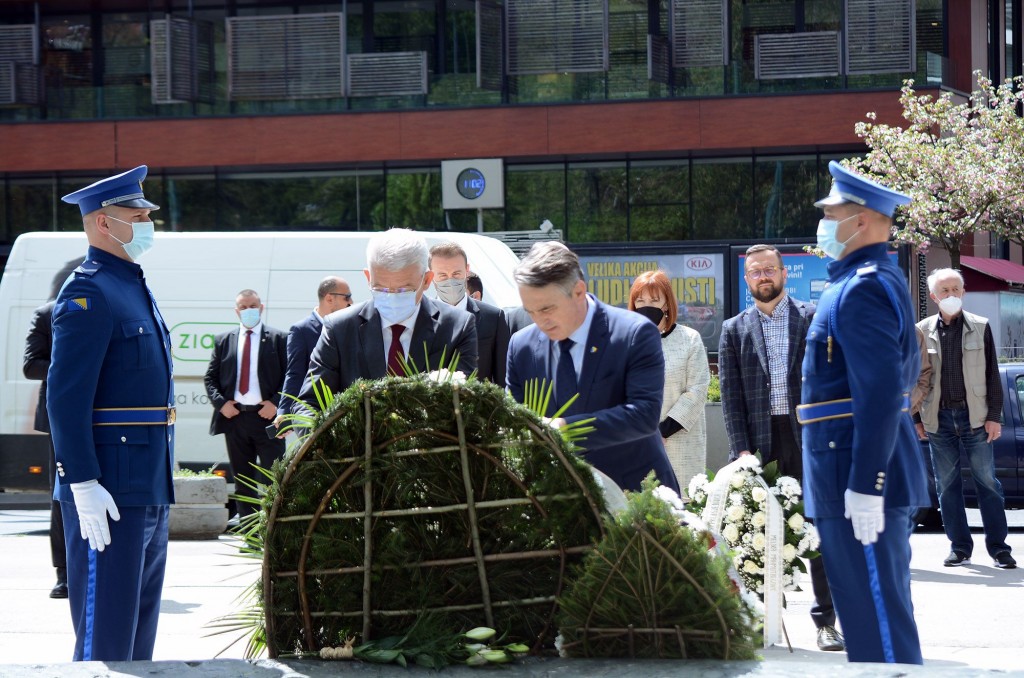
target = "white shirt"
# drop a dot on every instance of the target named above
(252, 397)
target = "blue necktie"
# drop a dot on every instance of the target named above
(565, 378)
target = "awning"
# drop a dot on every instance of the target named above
(1000, 269)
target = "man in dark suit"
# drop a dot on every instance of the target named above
(760, 354)
(244, 380)
(450, 268)
(367, 340)
(333, 294)
(38, 344)
(611, 357)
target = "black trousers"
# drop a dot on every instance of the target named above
(249, 446)
(786, 449)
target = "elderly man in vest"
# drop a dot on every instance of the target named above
(963, 407)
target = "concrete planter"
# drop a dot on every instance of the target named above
(199, 511)
(718, 441)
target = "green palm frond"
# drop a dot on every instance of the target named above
(537, 396)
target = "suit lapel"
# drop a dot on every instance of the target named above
(597, 342)
(373, 360)
(754, 330)
(232, 363)
(797, 330)
(423, 334)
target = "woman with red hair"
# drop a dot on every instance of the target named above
(686, 375)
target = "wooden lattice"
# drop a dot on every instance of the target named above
(414, 498)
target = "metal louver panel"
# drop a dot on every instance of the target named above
(490, 57)
(658, 49)
(174, 53)
(698, 31)
(286, 57)
(796, 55)
(556, 36)
(19, 74)
(387, 74)
(880, 36)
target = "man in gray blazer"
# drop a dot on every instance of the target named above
(365, 341)
(450, 269)
(760, 355)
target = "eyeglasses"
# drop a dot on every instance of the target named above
(393, 290)
(348, 297)
(758, 273)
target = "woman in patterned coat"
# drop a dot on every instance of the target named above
(686, 376)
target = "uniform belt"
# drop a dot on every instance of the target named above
(833, 409)
(248, 408)
(134, 416)
(953, 405)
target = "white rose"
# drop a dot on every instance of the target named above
(697, 484)
(735, 513)
(731, 534)
(759, 541)
(735, 498)
(750, 567)
(789, 552)
(759, 494)
(796, 522)
(758, 519)
(737, 480)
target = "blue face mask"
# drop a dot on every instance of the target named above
(827, 241)
(250, 317)
(394, 307)
(142, 238)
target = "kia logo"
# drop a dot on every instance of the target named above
(699, 263)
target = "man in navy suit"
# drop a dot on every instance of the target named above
(759, 358)
(367, 340)
(450, 267)
(863, 469)
(333, 294)
(611, 357)
(244, 380)
(110, 400)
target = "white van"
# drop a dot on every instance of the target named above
(194, 277)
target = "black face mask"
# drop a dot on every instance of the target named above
(652, 313)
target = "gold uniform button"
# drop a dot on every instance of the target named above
(140, 330)
(878, 486)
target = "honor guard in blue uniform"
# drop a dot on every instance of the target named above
(110, 401)
(863, 470)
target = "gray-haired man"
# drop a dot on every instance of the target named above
(365, 341)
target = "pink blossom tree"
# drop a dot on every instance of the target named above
(959, 159)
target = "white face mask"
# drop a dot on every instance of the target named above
(951, 305)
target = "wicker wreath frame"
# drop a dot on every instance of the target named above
(406, 447)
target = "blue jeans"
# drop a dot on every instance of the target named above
(954, 429)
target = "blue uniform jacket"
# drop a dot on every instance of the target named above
(111, 349)
(621, 385)
(874, 361)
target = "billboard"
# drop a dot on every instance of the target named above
(806, 277)
(698, 281)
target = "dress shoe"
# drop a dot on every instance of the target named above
(830, 640)
(1004, 560)
(59, 590)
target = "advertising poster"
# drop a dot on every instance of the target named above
(698, 281)
(806, 278)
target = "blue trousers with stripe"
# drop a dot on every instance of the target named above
(115, 594)
(871, 589)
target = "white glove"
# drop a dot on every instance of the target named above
(867, 513)
(94, 503)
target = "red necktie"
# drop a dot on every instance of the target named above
(394, 365)
(243, 378)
